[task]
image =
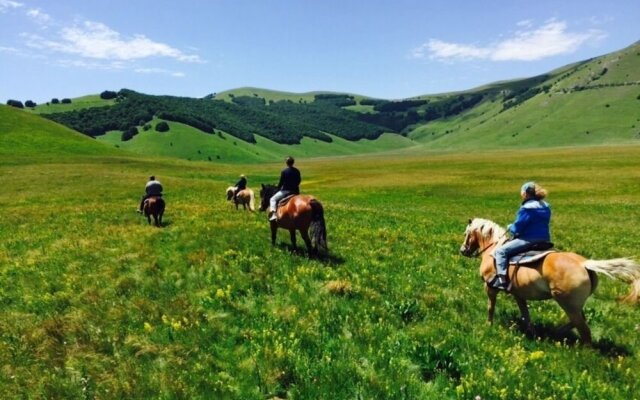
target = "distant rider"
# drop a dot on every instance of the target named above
(240, 186)
(289, 184)
(530, 227)
(153, 188)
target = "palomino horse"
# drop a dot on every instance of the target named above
(568, 278)
(244, 197)
(154, 206)
(303, 213)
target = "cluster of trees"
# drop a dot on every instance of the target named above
(524, 94)
(282, 121)
(15, 103)
(245, 116)
(337, 100)
(398, 106)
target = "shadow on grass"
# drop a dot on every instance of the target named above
(327, 260)
(554, 333)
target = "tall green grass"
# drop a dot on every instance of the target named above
(98, 304)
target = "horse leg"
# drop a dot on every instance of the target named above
(292, 233)
(274, 230)
(524, 313)
(307, 241)
(576, 320)
(492, 294)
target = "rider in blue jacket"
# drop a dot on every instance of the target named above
(530, 227)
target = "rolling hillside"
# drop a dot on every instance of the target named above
(592, 102)
(589, 103)
(23, 135)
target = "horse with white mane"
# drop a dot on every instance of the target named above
(244, 197)
(568, 278)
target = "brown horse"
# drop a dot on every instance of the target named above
(245, 198)
(302, 213)
(154, 206)
(568, 278)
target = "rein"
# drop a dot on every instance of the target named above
(479, 253)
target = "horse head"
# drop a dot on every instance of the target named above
(266, 192)
(230, 190)
(479, 235)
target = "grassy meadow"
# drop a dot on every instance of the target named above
(98, 304)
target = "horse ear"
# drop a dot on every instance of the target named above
(262, 185)
(470, 221)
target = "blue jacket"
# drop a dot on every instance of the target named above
(532, 221)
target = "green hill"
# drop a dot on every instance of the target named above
(78, 103)
(184, 141)
(24, 135)
(593, 102)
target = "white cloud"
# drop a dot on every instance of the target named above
(527, 23)
(8, 4)
(159, 71)
(4, 49)
(94, 40)
(548, 40)
(39, 17)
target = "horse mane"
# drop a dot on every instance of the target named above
(489, 230)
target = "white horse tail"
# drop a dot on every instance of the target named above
(251, 200)
(622, 269)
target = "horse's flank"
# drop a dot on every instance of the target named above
(245, 198)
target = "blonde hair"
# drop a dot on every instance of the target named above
(540, 192)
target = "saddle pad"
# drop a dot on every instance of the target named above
(285, 200)
(529, 257)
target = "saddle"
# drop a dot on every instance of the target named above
(536, 253)
(285, 200)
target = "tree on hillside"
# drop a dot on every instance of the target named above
(66, 101)
(108, 95)
(129, 133)
(15, 103)
(55, 101)
(29, 103)
(162, 127)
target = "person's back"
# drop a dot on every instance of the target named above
(152, 188)
(289, 183)
(530, 227)
(290, 180)
(532, 221)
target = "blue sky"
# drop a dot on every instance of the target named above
(385, 49)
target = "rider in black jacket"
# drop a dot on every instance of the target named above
(289, 184)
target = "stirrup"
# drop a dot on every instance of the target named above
(499, 282)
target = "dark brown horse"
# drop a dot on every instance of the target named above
(568, 278)
(302, 213)
(154, 206)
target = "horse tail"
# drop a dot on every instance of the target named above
(252, 198)
(622, 269)
(318, 227)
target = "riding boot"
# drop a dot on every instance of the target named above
(272, 215)
(499, 282)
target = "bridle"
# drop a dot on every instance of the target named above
(478, 253)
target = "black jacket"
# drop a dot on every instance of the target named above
(290, 180)
(242, 184)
